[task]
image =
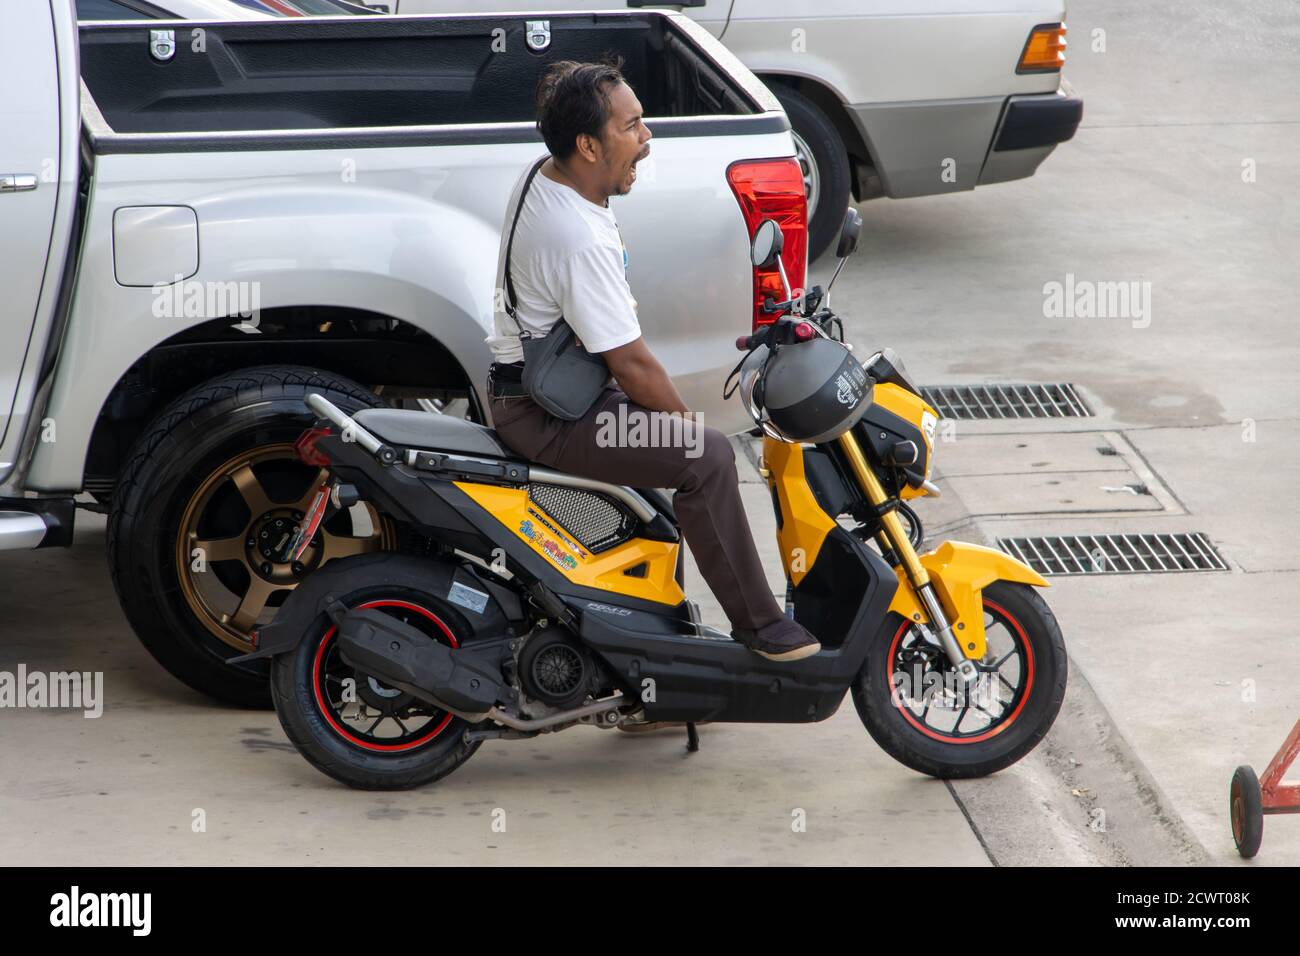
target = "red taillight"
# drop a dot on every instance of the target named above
(305, 447)
(773, 189)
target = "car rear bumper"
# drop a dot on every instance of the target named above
(1029, 129)
(923, 148)
(1030, 122)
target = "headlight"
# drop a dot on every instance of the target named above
(929, 423)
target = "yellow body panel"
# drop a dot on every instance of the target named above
(911, 408)
(804, 525)
(959, 572)
(512, 507)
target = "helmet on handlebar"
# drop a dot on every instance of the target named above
(804, 391)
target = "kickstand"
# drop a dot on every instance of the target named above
(692, 737)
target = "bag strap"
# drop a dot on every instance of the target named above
(510, 285)
(729, 386)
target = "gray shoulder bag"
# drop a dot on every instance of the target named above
(559, 374)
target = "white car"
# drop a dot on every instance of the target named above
(887, 97)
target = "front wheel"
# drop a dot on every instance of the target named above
(914, 707)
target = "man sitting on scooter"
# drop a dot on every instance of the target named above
(568, 260)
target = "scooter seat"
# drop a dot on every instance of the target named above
(409, 428)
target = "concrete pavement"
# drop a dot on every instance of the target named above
(1182, 176)
(130, 786)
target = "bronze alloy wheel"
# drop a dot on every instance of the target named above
(236, 520)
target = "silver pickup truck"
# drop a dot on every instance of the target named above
(201, 221)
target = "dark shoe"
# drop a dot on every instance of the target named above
(782, 640)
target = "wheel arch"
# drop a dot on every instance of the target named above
(270, 247)
(373, 349)
(864, 180)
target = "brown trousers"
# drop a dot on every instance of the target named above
(700, 464)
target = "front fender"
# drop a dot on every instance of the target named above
(960, 572)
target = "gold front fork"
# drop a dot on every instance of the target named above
(895, 533)
(898, 540)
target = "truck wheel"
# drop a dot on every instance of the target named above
(825, 163)
(206, 493)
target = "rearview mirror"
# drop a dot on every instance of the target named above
(849, 233)
(767, 244)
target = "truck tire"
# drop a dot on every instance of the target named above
(825, 161)
(205, 490)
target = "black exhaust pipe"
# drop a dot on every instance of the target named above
(400, 656)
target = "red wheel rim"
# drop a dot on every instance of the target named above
(1022, 645)
(327, 711)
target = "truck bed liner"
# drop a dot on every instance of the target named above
(336, 74)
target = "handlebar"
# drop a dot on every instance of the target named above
(782, 331)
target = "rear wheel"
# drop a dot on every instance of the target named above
(915, 709)
(355, 728)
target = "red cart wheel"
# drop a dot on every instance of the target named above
(1245, 804)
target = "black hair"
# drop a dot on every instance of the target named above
(573, 98)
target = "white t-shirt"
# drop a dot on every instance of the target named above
(568, 260)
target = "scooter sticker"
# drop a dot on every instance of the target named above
(608, 609)
(548, 547)
(564, 539)
(465, 596)
(849, 385)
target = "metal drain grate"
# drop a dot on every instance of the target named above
(1115, 553)
(1056, 400)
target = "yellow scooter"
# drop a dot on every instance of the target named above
(526, 601)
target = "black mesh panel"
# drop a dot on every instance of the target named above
(594, 519)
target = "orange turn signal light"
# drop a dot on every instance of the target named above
(1044, 50)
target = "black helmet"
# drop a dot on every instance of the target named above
(805, 391)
